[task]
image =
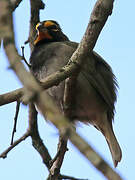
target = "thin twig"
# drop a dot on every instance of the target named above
(4, 154)
(23, 57)
(15, 121)
(61, 177)
(27, 41)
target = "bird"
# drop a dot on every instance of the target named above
(96, 84)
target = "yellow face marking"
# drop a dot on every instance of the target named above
(49, 23)
(38, 24)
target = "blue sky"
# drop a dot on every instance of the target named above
(116, 46)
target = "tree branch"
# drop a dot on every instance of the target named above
(36, 5)
(11, 96)
(14, 4)
(36, 140)
(41, 148)
(58, 160)
(15, 121)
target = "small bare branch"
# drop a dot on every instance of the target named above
(15, 121)
(4, 154)
(23, 57)
(69, 178)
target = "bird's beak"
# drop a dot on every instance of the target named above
(42, 33)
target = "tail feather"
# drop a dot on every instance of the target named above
(106, 128)
(114, 147)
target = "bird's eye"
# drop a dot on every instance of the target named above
(54, 28)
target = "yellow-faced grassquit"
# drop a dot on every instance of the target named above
(96, 84)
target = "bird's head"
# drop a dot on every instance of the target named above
(49, 31)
